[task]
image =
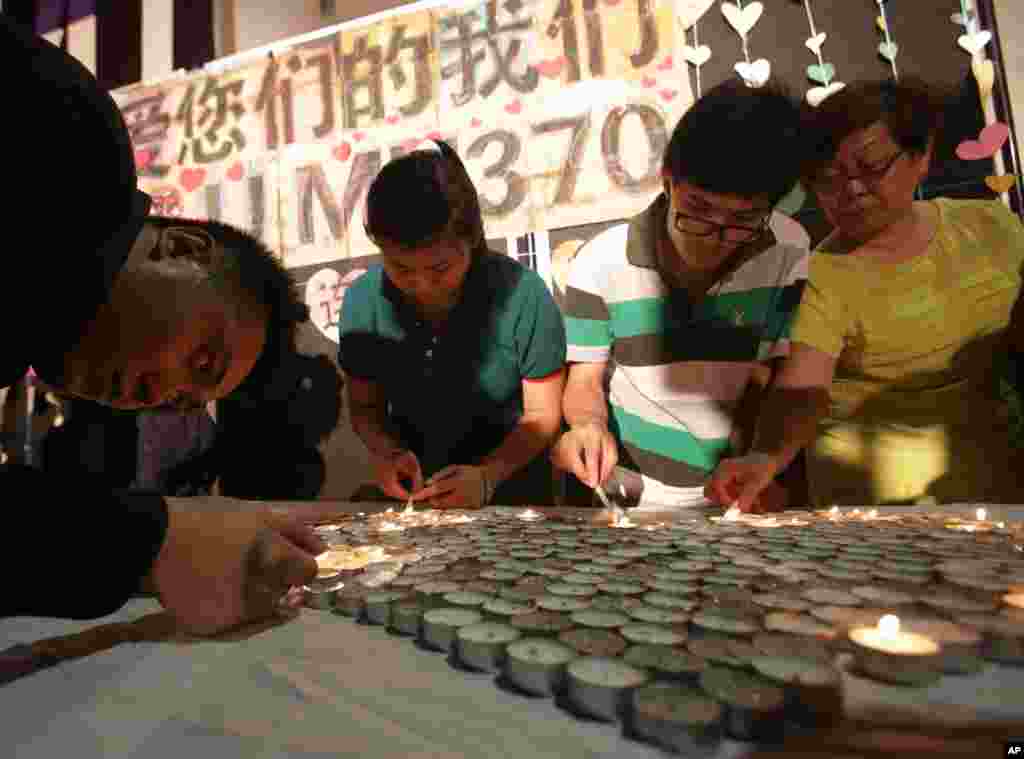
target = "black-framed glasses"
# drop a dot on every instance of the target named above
(835, 177)
(694, 226)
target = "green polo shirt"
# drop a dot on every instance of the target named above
(454, 395)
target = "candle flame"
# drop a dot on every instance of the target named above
(855, 511)
(1000, 525)
(873, 513)
(889, 625)
(981, 514)
(834, 511)
(732, 515)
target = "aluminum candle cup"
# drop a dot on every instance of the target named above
(1003, 636)
(538, 665)
(378, 605)
(892, 655)
(321, 596)
(666, 662)
(753, 707)
(961, 646)
(432, 593)
(813, 690)
(350, 601)
(679, 719)
(601, 687)
(541, 623)
(406, 617)
(502, 609)
(440, 626)
(482, 646)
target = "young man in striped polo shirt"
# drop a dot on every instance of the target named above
(674, 319)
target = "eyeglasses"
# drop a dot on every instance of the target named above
(726, 233)
(834, 177)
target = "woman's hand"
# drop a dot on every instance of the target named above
(457, 487)
(588, 451)
(391, 469)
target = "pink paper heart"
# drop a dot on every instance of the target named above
(612, 2)
(434, 136)
(357, 136)
(475, 122)
(667, 95)
(342, 152)
(235, 172)
(143, 159)
(665, 65)
(410, 145)
(190, 179)
(649, 81)
(516, 106)
(989, 142)
(551, 68)
(392, 119)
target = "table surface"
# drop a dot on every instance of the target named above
(321, 685)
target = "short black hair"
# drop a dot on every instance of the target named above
(258, 276)
(423, 197)
(738, 140)
(912, 109)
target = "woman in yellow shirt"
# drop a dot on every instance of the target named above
(891, 382)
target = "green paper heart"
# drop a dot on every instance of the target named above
(888, 50)
(821, 73)
(793, 202)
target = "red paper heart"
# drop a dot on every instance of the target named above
(392, 119)
(142, 159)
(551, 68)
(235, 172)
(665, 65)
(989, 142)
(649, 81)
(342, 151)
(514, 107)
(612, 2)
(475, 122)
(190, 179)
(357, 136)
(667, 95)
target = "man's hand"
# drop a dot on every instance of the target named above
(747, 482)
(390, 470)
(218, 569)
(457, 487)
(588, 451)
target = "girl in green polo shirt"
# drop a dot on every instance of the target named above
(454, 354)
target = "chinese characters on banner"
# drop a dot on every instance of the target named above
(560, 109)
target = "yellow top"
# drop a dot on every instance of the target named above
(914, 403)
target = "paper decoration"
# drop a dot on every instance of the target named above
(974, 43)
(742, 19)
(697, 55)
(821, 72)
(989, 142)
(689, 12)
(794, 201)
(887, 48)
(985, 76)
(1001, 183)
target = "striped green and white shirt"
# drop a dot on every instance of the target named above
(676, 371)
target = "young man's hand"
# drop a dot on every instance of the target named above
(218, 569)
(457, 487)
(391, 469)
(588, 451)
(748, 482)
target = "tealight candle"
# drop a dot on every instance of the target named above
(529, 515)
(889, 654)
(1014, 600)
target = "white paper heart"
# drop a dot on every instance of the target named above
(815, 42)
(689, 12)
(816, 95)
(698, 56)
(754, 74)
(742, 20)
(958, 19)
(974, 43)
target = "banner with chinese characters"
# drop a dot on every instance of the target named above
(560, 109)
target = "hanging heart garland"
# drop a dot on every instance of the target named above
(822, 73)
(742, 19)
(887, 48)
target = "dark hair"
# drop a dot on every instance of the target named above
(910, 108)
(251, 271)
(423, 197)
(738, 140)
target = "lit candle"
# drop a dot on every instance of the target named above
(893, 655)
(980, 514)
(529, 515)
(732, 515)
(873, 513)
(1014, 600)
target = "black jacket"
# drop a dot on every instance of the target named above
(70, 213)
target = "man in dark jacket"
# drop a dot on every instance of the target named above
(109, 304)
